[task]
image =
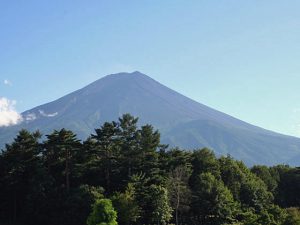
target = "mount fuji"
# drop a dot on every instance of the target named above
(181, 121)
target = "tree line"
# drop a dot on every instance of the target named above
(122, 174)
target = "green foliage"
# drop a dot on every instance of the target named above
(246, 187)
(212, 202)
(203, 161)
(149, 143)
(254, 193)
(72, 207)
(58, 180)
(61, 152)
(265, 174)
(106, 153)
(273, 215)
(179, 191)
(126, 206)
(162, 212)
(248, 217)
(293, 216)
(288, 188)
(232, 174)
(102, 213)
(21, 169)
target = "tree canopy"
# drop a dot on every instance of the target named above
(123, 174)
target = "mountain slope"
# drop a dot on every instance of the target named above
(182, 121)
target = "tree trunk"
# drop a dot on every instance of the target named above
(67, 170)
(107, 179)
(177, 206)
(15, 207)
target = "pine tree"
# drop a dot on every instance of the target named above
(61, 151)
(19, 172)
(107, 152)
(128, 144)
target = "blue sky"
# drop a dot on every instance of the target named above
(240, 57)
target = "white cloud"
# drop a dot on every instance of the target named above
(30, 117)
(52, 114)
(8, 115)
(7, 82)
(48, 115)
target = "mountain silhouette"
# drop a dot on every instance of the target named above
(182, 121)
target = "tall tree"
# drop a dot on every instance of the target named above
(204, 160)
(162, 212)
(254, 193)
(265, 174)
(288, 188)
(128, 144)
(179, 191)
(20, 169)
(126, 205)
(212, 202)
(232, 174)
(61, 151)
(149, 144)
(107, 151)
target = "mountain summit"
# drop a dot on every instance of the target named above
(182, 122)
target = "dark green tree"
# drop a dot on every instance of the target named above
(152, 199)
(70, 208)
(232, 174)
(129, 145)
(106, 152)
(19, 172)
(254, 193)
(203, 161)
(61, 150)
(265, 174)
(212, 202)
(288, 188)
(149, 144)
(58, 181)
(246, 187)
(175, 157)
(126, 206)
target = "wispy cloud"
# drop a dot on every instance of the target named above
(30, 117)
(8, 114)
(7, 82)
(49, 114)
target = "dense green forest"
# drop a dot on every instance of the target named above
(122, 174)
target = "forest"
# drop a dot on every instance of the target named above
(122, 174)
